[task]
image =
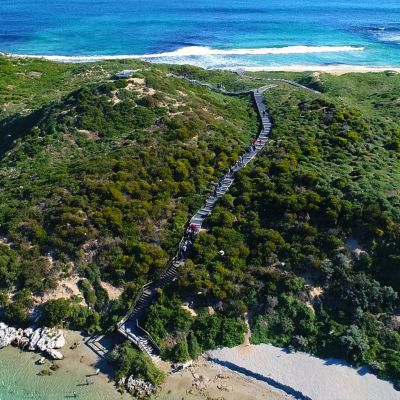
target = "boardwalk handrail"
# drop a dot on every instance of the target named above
(135, 301)
(210, 86)
(288, 81)
(153, 342)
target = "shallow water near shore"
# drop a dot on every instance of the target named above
(19, 377)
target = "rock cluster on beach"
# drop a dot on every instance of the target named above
(46, 340)
(138, 388)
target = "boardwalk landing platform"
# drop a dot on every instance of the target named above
(129, 326)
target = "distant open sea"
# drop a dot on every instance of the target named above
(207, 33)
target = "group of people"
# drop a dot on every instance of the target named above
(252, 147)
(187, 241)
(185, 247)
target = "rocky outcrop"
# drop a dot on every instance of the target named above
(7, 335)
(140, 388)
(46, 340)
(50, 339)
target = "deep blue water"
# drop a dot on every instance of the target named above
(137, 27)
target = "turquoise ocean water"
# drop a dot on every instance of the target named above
(209, 33)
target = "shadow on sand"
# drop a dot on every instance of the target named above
(285, 388)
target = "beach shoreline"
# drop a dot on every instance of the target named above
(334, 69)
(331, 69)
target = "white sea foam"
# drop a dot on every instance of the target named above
(314, 67)
(202, 51)
(390, 37)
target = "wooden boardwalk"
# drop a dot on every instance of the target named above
(129, 326)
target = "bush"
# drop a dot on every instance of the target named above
(55, 312)
(131, 361)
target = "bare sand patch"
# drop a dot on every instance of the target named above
(204, 380)
(67, 288)
(192, 312)
(112, 291)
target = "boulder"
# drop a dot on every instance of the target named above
(22, 341)
(47, 338)
(54, 338)
(7, 336)
(35, 337)
(54, 354)
(28, 332)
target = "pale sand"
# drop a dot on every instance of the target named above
(332, 69)
(113, 292)
(66, 288)
(205, 380)
(305, 376)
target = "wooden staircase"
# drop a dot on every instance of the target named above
(129, 326)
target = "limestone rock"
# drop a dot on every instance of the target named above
(28, 332)
(35, 337)
(55, 354)
(54, 337)
(7, 335)
(46, 338)
(140, 388)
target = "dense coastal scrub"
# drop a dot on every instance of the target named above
(98, 178)
(310, 232)
(101, 182)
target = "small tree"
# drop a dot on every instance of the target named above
(181, 351)
(193, 345)
(55, 312)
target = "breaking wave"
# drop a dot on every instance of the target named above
(201, 51)
(389, 34)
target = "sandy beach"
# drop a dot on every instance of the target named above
(332, 69)
(335, 69)
(205, 380)
(304, 376)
